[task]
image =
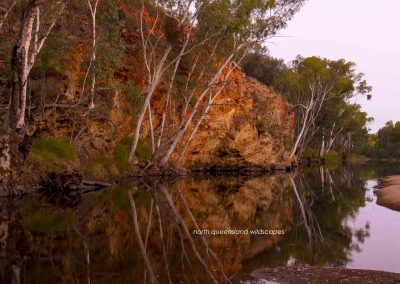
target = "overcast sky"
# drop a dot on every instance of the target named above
(363, 31)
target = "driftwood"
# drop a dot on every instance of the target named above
(67, 182)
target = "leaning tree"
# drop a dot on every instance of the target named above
(211, 38)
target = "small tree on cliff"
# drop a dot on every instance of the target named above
(217, 37)
(262, 67)
(315, 85)
(165, 42)
(31, 38)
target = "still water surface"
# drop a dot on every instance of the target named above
(329, 217)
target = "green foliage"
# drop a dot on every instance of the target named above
(109, 49)
(332, 156)
(337, 119)
(121, 154)
(143, 150)
(386, 143)
(311, 153)
(51, 148)
(133, 95)
(49, 154)
(49, 61)
(262, 67)
(247, 22)
(338, 76)
(104, 167)
(101, 168)
(123, 147)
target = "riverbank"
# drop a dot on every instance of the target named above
(388, 192)
(315, 274)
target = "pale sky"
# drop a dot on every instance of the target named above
(363, 31)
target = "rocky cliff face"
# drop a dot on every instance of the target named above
(248, 126)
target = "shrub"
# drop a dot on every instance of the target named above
(332, 156)
(121, 154)
(143, 150)
(123, 147)
(101, 168)
(311, 153)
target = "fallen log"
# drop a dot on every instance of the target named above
(67, 182)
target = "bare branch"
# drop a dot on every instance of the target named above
(7, 13)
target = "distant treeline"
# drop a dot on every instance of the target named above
(321, 92)
(385, 144)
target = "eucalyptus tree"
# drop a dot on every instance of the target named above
(215, 36)
(316, 86)
(387, 144)
(344, 128)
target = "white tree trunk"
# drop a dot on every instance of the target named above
(183, 126)
(93, 12)
(24, 55)
(303, 131)
(313, 108)
(171, 82)
(150, 90)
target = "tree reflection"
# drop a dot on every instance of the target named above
(326, 200)
(141, 232)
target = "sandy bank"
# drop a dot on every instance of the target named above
(388, 192)
(315, 274)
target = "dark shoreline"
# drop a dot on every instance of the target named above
(306, 274)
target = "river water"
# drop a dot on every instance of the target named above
(201, 229)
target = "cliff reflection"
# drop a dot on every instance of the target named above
(138, 232)
(135, 233)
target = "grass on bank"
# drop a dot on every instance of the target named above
(50, 154)
(332, 158)
(57, 154)
(104, 167)
(45, 149)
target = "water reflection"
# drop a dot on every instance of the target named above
(319, 235)
(328, 229)
(138, 232)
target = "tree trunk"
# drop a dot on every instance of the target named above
(15, 143)
(300, 136)
(150, 90)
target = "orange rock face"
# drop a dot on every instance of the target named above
(250, 125)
